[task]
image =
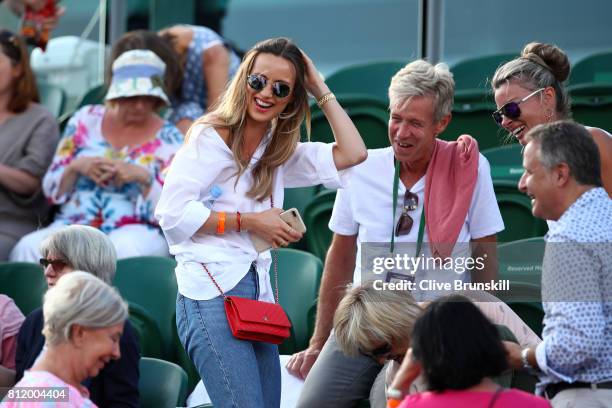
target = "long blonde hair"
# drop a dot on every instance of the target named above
(230, 113)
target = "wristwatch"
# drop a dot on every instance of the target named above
(526, 366)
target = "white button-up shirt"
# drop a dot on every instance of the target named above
(185, 204)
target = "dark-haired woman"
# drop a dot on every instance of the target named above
(226, 183)
(529, 91)
(28, 137)
(458, 351)
(207, 62)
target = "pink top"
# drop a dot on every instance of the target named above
(468, 399)
(11, 319)
(43, 380)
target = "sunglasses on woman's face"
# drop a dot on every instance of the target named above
(383, 352)
(511, 110)
(259, 82)
(58, 265)
(404, 223)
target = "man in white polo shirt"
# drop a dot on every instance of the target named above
(451, 182)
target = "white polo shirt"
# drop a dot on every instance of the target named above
(365, 208)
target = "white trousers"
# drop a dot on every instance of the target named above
(129, 241)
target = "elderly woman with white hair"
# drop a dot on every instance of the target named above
(110, 163)
(80, 247)
(84, 320)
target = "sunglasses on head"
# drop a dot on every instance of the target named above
(57, 264)
(511, 110)
(404, 223)
(259, 82)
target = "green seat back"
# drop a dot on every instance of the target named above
(477, 72)
(515, 209)
(526, 300)
(94, 96)
(299, 277)
(53, 98)
(370, 116)
(23, 282)
(594, 68)
(316, 217)
(162, 384)
(592, 104)
(299, 198)
(475, 120)
(372, 79)
(522, 260)
(506, 162)
(147, 331)
(150, 282)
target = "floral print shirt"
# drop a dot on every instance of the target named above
(108, 207)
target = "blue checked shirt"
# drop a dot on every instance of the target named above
(577, 294)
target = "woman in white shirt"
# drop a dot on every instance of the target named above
(226, 184)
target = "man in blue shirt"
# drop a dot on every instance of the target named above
(562, 177)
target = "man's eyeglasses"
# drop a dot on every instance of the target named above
(259, 82)
(511, 110)
(404, 223)
(57, 264)
(382, 352)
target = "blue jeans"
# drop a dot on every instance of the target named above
(236, 373)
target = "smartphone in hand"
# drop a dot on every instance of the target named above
(291, 217)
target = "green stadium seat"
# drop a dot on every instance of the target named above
(164, 13)
(146, 328)
(316, 217)
(53, 98)
(476, 73)
(162, 384)
(474, 118)
(372, 79)
(23, 282)
(594, 68)
(299, 277)
(526, 300)
(150, 282)
(299, 198)
(506, 162)
(522, 260)
(94, 96)
(592, 104)
(515, 209)
(370, 116)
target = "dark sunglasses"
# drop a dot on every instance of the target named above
(404, 224)
(511, 110)
(382, 352)
(259, 82)
(57, 264)
(11, 43)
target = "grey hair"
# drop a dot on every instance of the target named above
(367, 317)
(85, 248)
(539, 66)
(420, 78)
(80, 298)
(570, 143)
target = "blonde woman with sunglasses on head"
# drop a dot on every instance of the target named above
(529, 91)
(226, 184)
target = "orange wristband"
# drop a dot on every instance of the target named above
(221, 223)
